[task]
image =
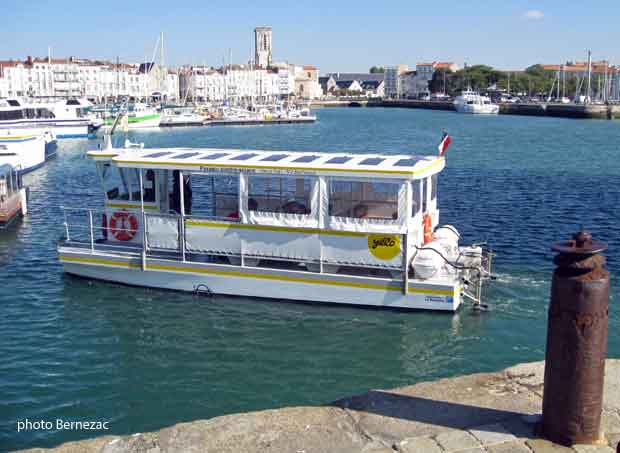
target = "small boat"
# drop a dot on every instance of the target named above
(472, 102)
(339, 228)
(181, 116)
(29, 147)
(13, 196)
(139, 116)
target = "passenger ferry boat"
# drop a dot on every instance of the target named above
(323, 227)
(66, 119)
(13, 196)
(472, 102)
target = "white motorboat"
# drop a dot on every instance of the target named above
(472, 102)
(181, 116)
(26, 147)
(66, 119)
(336, 228)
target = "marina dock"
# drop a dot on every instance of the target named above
(257, 122)
(582, 111)
(485, 412)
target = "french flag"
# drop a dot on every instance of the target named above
(443, 145)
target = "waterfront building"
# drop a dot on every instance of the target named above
(93, 79)
(364, 84)
(236, 83)
(263, 46)
(392, 80)
(307, 82)
(415, 84)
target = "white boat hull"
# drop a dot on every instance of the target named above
(271, 283)
(482, 109)
(60, 128)
(28, 150)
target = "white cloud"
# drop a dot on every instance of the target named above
(534, 14)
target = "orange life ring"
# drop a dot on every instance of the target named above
(128, 227)
(428, 228)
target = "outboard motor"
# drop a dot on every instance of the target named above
(428, 261)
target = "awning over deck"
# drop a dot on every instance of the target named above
(220, 160)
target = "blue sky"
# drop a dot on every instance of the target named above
(332, 35)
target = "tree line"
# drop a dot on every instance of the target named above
(534, 81)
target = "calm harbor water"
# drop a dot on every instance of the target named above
(142, 359)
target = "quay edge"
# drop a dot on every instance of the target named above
(492, 412)
(580, 111)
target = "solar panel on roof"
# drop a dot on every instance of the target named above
(158, 154)
(372, 161)
(215, 156)
(405, 163)
(306, 159)
(339, 160)
(244, 156)
(274, 157)
(184, 155)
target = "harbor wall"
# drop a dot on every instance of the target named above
(490, 412)
(590, 111)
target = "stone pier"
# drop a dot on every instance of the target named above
(488, 412)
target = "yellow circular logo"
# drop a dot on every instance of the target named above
(384, 246)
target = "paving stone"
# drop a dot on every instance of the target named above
(613, 440)
(610, 423)
(473, 450)
(452, 441)
(519, 428)
(516, 446)
(418, 445)
(593, 449)
(544, 446)
(376, 447)
(492, 434)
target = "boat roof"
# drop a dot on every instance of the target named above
(253, 161)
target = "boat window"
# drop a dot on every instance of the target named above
(9, 115)
(424, 193)
(244, 156)
(363, 200)
(113, 185)
(131, 180)
(415, 197)
(149, 181)
(214, 196)
(284, 194)
(434, 186)
(405, 163)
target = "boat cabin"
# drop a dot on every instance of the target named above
(271, 204)
(12, 198)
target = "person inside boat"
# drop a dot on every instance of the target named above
(149, 186)
(292, 206)
(252, 206)
(360, 211)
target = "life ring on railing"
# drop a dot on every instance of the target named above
(428, 228)
(126, 230)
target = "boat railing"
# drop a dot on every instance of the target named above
(189, 238)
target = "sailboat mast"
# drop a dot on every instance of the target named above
(589, 77)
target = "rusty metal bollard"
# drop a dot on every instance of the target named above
(576, 342)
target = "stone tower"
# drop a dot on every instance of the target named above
(262, 46)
